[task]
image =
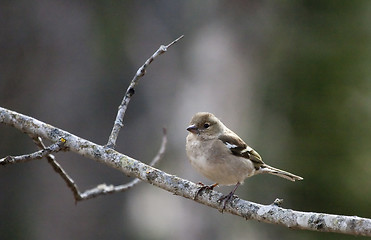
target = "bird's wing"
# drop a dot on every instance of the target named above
(239, 148)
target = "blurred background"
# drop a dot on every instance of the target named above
(291, 77)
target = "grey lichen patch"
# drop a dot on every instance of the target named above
(352, 225)
(151, 175)
(32, 123)
(287, 217)
(54, 133)
(83, 146)
(339, 223)
(97, 153)
(127, 164)
(248, 211)
(183, 185)
(108, 151)
(265, 211)
(82, 143)
(186, 185)
(274, 210)
(317, 222)
(234, 201)
(22, 123)
(179, 186)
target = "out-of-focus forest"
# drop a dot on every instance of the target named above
(291, 77)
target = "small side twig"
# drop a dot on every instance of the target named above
(118, 124)
(278, 202)
(58, 169)
(55, 147)
(104, 189)
(101, 189)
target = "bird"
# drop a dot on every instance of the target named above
(222, 156)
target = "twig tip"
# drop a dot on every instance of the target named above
(175, 41)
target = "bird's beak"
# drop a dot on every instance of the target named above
(193, 129)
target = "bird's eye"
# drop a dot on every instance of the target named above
(206, 125)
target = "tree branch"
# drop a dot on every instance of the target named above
(45, 151)
(104, 189)
(100, 190)
(58, 168)
(178, 186)
(130, 92)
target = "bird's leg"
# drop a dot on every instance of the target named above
(205, 187)
(228, 197)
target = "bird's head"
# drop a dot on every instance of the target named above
(205, 125)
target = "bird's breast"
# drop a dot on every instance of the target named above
(217, 163)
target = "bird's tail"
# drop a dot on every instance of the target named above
(278, 172)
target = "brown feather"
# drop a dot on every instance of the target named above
(240, 149)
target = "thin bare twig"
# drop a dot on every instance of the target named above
(104, 189)
(55, 147)
(101, 189)
(58, 168)
(130, 92)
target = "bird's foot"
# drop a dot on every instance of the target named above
(227, 198)
(205, 187)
